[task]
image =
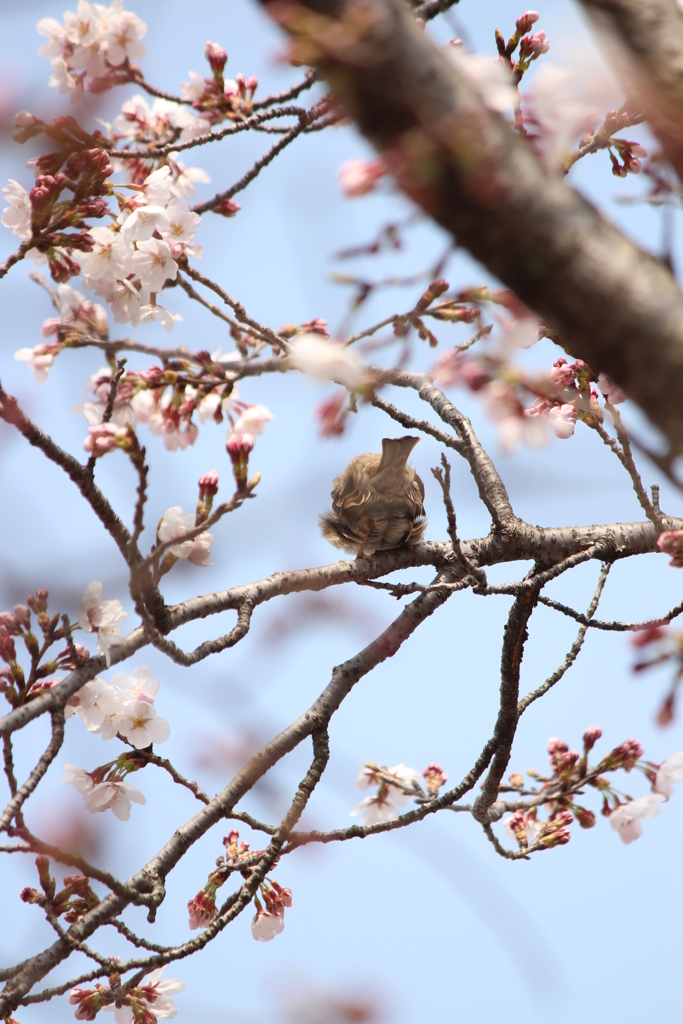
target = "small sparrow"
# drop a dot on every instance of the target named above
(377, 501)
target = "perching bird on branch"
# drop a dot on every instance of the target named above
(377, 501)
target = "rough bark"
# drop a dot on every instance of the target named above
(613, 305)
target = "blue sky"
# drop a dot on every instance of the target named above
(429, 921)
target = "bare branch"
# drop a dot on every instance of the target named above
(574, 651)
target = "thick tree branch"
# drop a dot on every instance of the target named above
(614, 305)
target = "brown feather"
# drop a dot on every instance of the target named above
(377, 502)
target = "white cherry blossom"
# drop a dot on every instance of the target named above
(17, 216)
(184, 178)
(626, 819)
(265, 926)
(140, 685)
(380, 807)
(78, 778)
(104, 616)
(110, 258)
(55, 35)
(99, 707)
(670, 771)
(325, 360)
(140, 725)
(253, 420)
(143, 222)
(123, 31)
(113, 795)
(40, 359)
(180, 228)
(154, 264)
(149, 312)
(174, 524)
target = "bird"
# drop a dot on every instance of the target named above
(377, 502)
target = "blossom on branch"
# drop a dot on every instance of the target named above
(102, 616)
(139, 724)
(174, 524)
(39, 358)
(669, 772)
(396, 787)
(17, 216)
(325, 360)
(626, 819)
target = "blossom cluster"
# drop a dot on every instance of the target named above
(105, 788)
(269, 919)
(144, 1004)
(396, 786)
(94, 45)
(561, 398)
(71, 902)
(124, 708)
(570, 774)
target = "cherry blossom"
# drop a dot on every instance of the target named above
(140, 685)
(626, 819)
(139, 724)
(670, 771)
(78, 778)
(180, 229)
(103, 616)
(141, 224)
(173, 524)
(325, 360)
(563, 420)
(611, 392)
(113, 795)
(358, 177)
(185, 178)
(150, 312)
(374, 809)
(153, 264)
(99, 706)
(121, 37)
(252, 420)
(39, 358)
(55, 35)
(17, 216)
(109, 260)
(391, 794)
(265, 925)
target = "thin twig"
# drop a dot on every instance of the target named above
(573, 652)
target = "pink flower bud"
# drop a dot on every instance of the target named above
(585, 818)
(103, 438)
(216, 57)
(239, 445)
(358, 177)
(591, 737)
(208, 484)
(22, 614)
(227, 208)
(671, 542)
(524, 23)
